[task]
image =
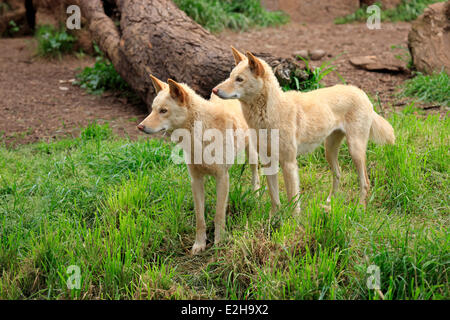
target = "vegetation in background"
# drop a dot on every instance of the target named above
(123, 213)
(12, 27)
(102, 77)
(429, 88)
(53, 42)
(216, 15)
(407, 10)
(311, 78)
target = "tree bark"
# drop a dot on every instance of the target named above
(154, 36)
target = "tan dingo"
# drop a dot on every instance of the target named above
(177, 106)
(304, 121)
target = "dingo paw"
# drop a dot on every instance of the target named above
(217, 240)
(198, 247)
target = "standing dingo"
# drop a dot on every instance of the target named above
(177, 106)
(305, 120)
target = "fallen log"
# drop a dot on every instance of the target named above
(143, 37)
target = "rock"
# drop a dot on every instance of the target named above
(429, 39)
(361, 61)
(309, 54)
(301, 53)
(373, 63)
(317, 54)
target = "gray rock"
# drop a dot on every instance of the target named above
(301, 53)
(373, 63)
(317, 54)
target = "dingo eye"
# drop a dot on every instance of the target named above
(163, 111)
(239, 79)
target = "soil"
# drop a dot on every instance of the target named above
(38, 103)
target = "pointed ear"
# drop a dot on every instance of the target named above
(255, 65)
(177, 92)
(238, 57)
(158, 84)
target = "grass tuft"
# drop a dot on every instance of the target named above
(53, 43)
(217, 15)
(101, 77)
(429, 88)
(311, 78)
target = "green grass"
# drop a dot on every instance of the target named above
(429, 88)
(311, 78)
(407, 10)
(216, 15)
(101, 77)
(52, 42)
(123, 213)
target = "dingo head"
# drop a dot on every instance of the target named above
(246, 79)
(169, 108)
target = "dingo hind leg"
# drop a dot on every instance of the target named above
(357, 146)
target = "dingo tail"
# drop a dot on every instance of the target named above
(381, 131)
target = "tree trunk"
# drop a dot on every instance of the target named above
(154, 36)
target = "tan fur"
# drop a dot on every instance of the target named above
(306, 120)
(183, 107)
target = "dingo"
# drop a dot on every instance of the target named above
(177, 106)
(305, 120)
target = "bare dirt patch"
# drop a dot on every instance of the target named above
(35, 106)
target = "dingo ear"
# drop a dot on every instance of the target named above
(158, 84)
(177, 92)
(255, 65)
(238, 57)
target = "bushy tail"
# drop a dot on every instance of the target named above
(381, 131)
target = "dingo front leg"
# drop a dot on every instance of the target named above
(255, 177)
(252, 156)
(199, 203)
(222, 189)
(272, 182)
(291, 181)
